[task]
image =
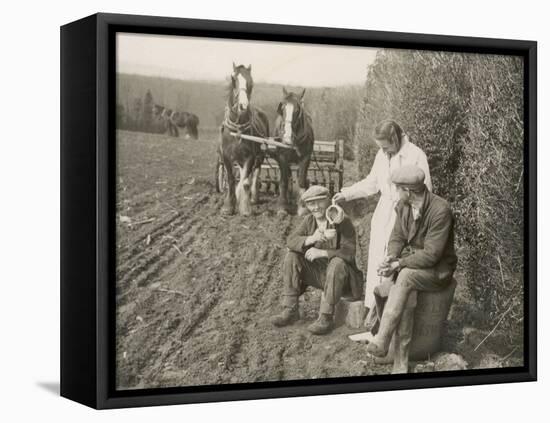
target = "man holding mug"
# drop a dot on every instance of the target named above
(321, 256)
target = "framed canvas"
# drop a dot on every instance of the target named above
(258, 211)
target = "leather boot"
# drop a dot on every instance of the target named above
(288, 316)
(388, 358)
(390, 319)
(403, 337)
(322, 325)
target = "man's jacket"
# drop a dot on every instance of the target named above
(427, 242)
(345, 247)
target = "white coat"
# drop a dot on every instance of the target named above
(379, 180)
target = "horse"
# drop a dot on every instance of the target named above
(294, 127)
(242, 118)
(188, 121)
(174, 119)
(164, 114)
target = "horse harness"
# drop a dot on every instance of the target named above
(303, 116)
(253, 123)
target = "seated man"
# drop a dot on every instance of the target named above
(320, 257)
(420, 252)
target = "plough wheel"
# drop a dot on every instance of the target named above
(220, 178)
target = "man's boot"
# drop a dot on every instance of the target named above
(390, 319)
(403, 337)
(322, 325)
(388, 358)
(288, 316)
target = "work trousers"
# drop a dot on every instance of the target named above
(411, 280)
(331, 276)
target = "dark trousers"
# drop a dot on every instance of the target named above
(424, 279)
(331, 276)
(409, 280)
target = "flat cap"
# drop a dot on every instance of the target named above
(409, 176)
(315, 192)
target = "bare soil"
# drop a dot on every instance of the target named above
(196, 289)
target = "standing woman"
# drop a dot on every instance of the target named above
(395, 151)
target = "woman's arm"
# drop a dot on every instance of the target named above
(366, 187)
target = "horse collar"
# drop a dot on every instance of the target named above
(235, 126)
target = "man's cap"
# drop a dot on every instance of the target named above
(410, 176)
(315, 192)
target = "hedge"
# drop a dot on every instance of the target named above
(466, 112)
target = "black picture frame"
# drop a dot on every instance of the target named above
(88, 209)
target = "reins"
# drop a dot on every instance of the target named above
(302, 117)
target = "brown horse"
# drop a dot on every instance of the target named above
(242, 118)
(187, 121)
(174, 119)
(165, 116)
(293, 126)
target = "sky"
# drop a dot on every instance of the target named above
(272, 62)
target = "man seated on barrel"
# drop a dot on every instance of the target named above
(322, 257)
(420, 254)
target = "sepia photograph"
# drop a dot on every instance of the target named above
(290, 211)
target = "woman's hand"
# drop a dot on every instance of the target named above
(339, 198)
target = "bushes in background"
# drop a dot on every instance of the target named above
(491, 204)
(334, 113)
(466, 112)
(334, 110)
(139, 116)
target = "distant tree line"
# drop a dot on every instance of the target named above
(334, 110)
(138, 115)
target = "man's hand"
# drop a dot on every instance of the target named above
(387, 268)
(387, 260)
(318, 236)
(315, 253)
(339, 198)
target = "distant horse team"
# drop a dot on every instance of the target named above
(293, 126)
(173, 120)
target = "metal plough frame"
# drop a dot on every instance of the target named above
(327, 160)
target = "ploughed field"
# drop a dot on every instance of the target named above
(195, 289)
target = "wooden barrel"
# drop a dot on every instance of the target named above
(432, 309)
(430, 315)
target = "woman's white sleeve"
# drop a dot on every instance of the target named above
(366, 187)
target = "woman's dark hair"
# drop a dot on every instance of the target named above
(386, 129)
